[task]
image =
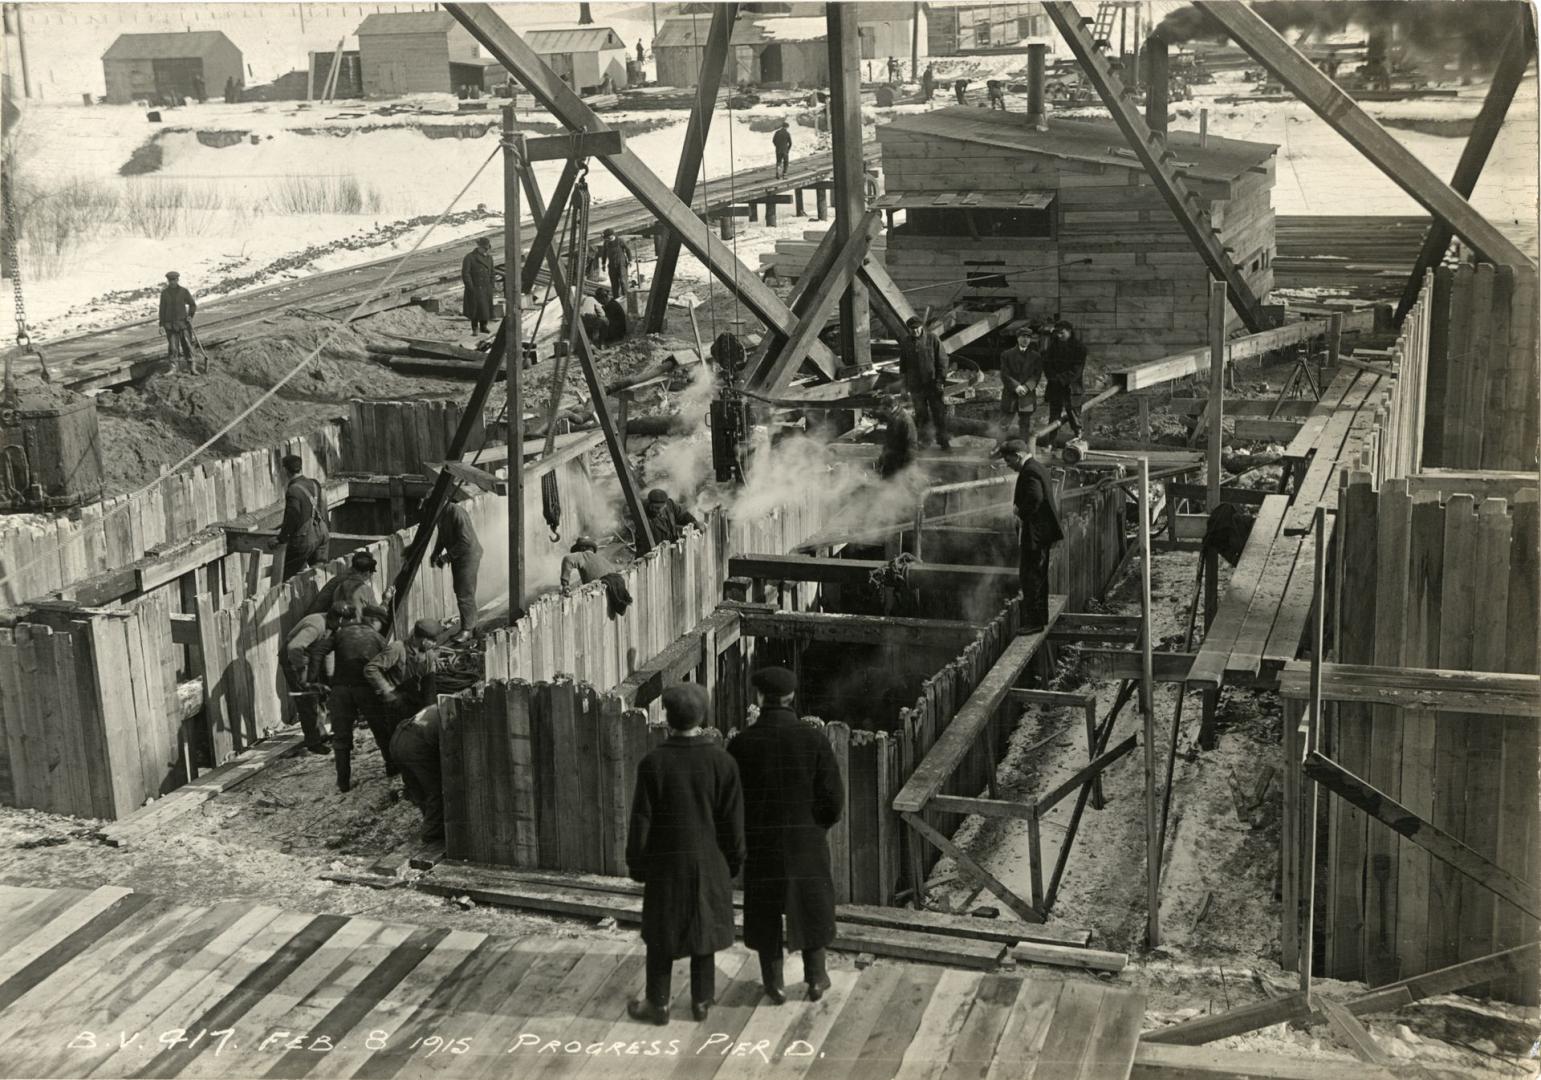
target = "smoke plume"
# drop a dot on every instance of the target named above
(1476, 29)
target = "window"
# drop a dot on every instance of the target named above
(979, 224)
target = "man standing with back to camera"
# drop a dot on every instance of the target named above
(1038, 522)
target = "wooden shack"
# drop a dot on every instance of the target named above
(1066, 222)
(164, 67)
(414, 53)
(582, 55)
(767, 50)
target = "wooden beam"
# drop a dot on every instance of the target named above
(957, 739)
(1060, 956)
(567, 147)
(1438, 843)
(184, 629)
(510, 50)
(1238, 1021)
(1052, 698)
(549, 222)
(1424, 689)
(1106, 664)
(1151, 149)
(779, 368)
(1157, 1062)
(1196, 361)
(1448, 980)
(680, 658)
(713, 59)
(1005, 931)
(1507, 77)
(979, 328)
(1279, 431)
(858, 571)
(892, 306)
(1345, 116)
(1354, 1034)
(990, 808)
(845, 120)
(967, 865)
(1084, 775)
(819, 262)
(856, 629)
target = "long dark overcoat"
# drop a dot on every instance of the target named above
(792, 794)
(686, 845)
(477, 275)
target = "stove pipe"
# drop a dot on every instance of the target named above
(1035, 75)
(1156, 83)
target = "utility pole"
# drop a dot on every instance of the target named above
(915, 43)
(513, 358)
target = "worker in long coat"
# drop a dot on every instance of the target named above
(899, 438)
(1038, 521)
(1064, 364)
(1021, 369)
(478, 275)
(685, 843)
(304, 531)
(793, 793)
(923, 364)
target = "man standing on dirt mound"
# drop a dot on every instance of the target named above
(176, 320)
(477, 274)
(304, 532)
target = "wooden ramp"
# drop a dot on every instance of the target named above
(115, 983)
(1265, 607)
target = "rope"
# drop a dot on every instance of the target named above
(268, 394)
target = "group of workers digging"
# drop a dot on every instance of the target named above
(701, 814)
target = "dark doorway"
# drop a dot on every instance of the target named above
(176, 78)
(770, 65)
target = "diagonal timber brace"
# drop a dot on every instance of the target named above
(1151, 149)
(713, 60)
(510, 50)
(819, 263)
(893, 307)
(550, 222)
(1263, 43)
(779, 368)
(1484, 133)
(613, 440)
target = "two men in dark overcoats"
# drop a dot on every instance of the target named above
(1038, 522)
(792, 795)
(685, 843)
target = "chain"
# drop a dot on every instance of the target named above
(13, 262)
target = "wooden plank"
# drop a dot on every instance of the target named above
(1443, 846)
(1209, 665)
(971, 867)
(1112, 1043)
(1159, 1062)
(1433, 689)
(1237, 1021)
(921, 946)
(1084, 775)
(974, 1048)
(1353, 1033)
(46, 938)
(988, 696)
(857, 629)
(1005, 931)
(1063, 956)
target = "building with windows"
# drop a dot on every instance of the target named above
(1067, 222)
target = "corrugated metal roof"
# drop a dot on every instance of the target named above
(1079, 140)
(684, 31)
(576, 39)
(407, 22)
(964, 200)
(164, 46)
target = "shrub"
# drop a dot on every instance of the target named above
(324, 195)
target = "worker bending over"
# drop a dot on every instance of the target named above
(1021, 368)
(304, 663)
(351, 588)
(923, 364)
(354, 645)
(402, 675)
(457, 547)
(415, 750)
(667, 518)
(304, 532)
(792, 795)
(584, 559)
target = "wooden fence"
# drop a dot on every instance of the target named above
(41, 555)
(1428, 576)
(393, 438)
(673, 588)
(1482, 369)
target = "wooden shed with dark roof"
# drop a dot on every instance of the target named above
(164, 67)
(416, 52)
(1066, 221)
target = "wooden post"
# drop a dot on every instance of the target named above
(713, 59)
(1313, 743)
(513, 359)
(1334, 339)
(770, 211)
(846, 153)
(725, 228)
(1142, 402)
(915, 42)
(821, 202)
(1156, 116)
(1203, 128)
(1148, 716)
(797, 202)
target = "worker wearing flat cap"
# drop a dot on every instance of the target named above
(1039, 527)
(685, 843)
(304, 665)
(354, 645)
(667, 518)
(793, 793)
(456, 545)
(584, 559)
(176, 319)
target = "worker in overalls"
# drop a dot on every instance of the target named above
(176, 320)
(457, 547)
(304, 532)
(615, 253)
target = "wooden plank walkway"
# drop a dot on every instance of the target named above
(1263, 612)
(115, 983)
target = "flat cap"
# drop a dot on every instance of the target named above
(428, 628)
(584, 543)
(774, 680)
(172, 275)
(658, 495)
(685, 705)
(341, 610)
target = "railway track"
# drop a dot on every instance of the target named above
(100, 359)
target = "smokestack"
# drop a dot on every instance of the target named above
(1035, 74)
(1156, 83)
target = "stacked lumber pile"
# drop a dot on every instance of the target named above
(790, 258)
(1367, 257)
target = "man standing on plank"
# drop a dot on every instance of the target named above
(1039, 526)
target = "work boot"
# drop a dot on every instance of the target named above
(700, 1010)
(770, 978)
(645, 1012)
(817, 987)
(318, 748)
